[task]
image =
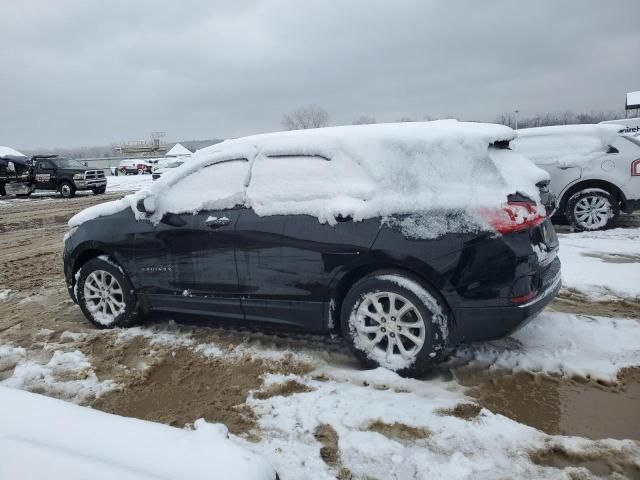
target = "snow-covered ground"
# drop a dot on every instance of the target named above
(602, 265)
(42, 437)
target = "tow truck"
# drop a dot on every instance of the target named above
(49, 172)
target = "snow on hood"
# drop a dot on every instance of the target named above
(373, 170)
(565, 145)
(10, 152)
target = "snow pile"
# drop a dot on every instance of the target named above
(360, 171)
(10, 152)
(67, 375)
(41, 437)
(565, 344)
(602, 265)
(565, 145)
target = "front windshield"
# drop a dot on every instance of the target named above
(66, 163)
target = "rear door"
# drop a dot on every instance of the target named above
(287, 263)
(186, 263)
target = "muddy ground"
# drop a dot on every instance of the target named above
(176, 384)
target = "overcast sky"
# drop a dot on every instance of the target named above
(80, 72)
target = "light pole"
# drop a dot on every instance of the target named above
(517, 112)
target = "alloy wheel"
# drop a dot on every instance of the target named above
(389, 327)
(592, 212)
(103, 296)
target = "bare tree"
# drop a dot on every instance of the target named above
(563, 118)
(405, 119)
(364, 120)
(311, 116)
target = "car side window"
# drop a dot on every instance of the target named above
(299, 178)
(44, 165)
(218, 186)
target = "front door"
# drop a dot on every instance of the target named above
(186, 262)
(46, 175)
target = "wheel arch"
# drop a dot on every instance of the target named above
(64, 180)
(592, 183)
(350, 278)
(90, 251)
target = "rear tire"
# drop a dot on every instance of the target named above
(592, 209)
(391, 320)
(105, 295)
(67, 190)
(3, 192)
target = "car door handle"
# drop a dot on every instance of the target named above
(215, 222)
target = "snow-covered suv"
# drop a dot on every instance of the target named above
(595, 170)
(406, 238)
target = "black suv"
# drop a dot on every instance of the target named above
(400, 298)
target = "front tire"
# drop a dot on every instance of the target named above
(105, 294)
(393, 321)
(67, 190)
(592, 209)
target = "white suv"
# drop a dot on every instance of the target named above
(594, 169)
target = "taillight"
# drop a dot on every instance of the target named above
(524, 298)
(515, 216)
(635, 168)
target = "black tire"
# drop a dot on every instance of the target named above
(127, 316)
(433, 314)
(67, 189)
(592, 209)
(99, 191)
(3, 192)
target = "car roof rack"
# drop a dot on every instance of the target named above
(33, 157)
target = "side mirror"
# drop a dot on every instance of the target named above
(142, 208)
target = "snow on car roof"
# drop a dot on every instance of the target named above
(373, 170)
(10, 152)
(565, 144)
(331, 140)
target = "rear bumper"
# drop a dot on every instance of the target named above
(491, 323)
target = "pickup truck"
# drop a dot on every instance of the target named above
(49, 172)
